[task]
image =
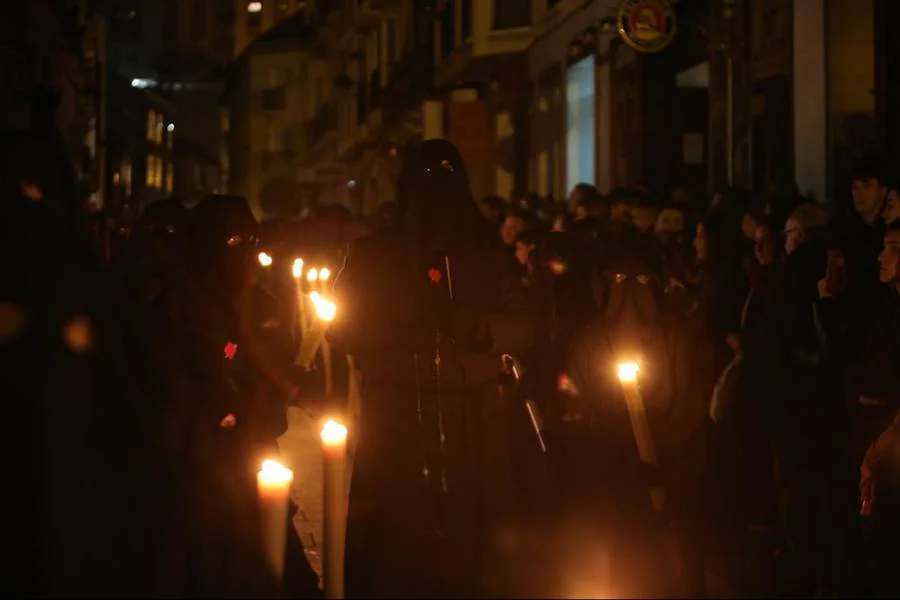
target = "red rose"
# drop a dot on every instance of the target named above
(230, 350)
(435, 276)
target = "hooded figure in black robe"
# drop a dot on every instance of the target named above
(603, 482)
(242, 388)
(427, 307)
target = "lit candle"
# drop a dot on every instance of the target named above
(273, 486)
(628, 377)
(297, 272)
(325, 311)
(265, 259)
(334, 449)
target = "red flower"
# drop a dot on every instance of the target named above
(230, 350)
(435, 276)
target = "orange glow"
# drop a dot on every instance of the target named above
(334, 433)
(628, 372)
(274, 474)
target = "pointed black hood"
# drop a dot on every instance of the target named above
(435, 204)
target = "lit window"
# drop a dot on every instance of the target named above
(170, 178)
(254, 7)
(126, 176)
(160, 124)
(151, 125)
(151, 167)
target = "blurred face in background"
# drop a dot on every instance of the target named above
(645, 217)
(891, 210)
(512, 226)
(765, 245)
(700, 244)
(670, 220)
(793, 236)
(889, 258)
(620, 212)
(868, 195)
(749, 226)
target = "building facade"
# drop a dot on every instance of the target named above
(752, 94)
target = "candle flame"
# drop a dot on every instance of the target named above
(628, 372)
(334, 433)
(264, 259)
(297, 268)
(312, 275)
(324, 274)
(274, 473)
(325, 309)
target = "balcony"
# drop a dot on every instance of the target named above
(487, 37)
(323, 124)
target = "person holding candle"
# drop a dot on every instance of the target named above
(245, 376)
(426, 308)
(638, 349)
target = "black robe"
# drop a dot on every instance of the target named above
(431, 476)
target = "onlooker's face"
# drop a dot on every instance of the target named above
(512, 226)
(559, 224)
(645, 217)
(523, 251)
(581, 212)
(793, 236)
(670, 221)
(765, 245)
(700, 245)
(868, 194)
(891, 210)
(620, 212)
(749, 226)
(889, 258)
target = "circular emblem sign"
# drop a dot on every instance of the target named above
(646, 25)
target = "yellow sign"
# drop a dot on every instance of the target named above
(648, 26)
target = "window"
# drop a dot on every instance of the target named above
(151, 125)
(126, 176)
(198, 19)
(273, 139)
(466, 24)
(448, 27)
(154, 171)
(510, 14)
(170, 178)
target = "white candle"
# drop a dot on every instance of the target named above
(334, 449)
(297, 272)
(325, 311)
(628, 376)
(273, 486)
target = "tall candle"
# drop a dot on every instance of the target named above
(334, 450)
(628, 377)
(325, 311)
(297, 272)
(273, 486)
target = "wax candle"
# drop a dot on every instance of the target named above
(325, 311)
(273, 486)
(628, 377)
(334, 450)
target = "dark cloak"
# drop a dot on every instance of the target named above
(420, 507)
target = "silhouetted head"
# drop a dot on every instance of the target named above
(434, 200)
(225, 236)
